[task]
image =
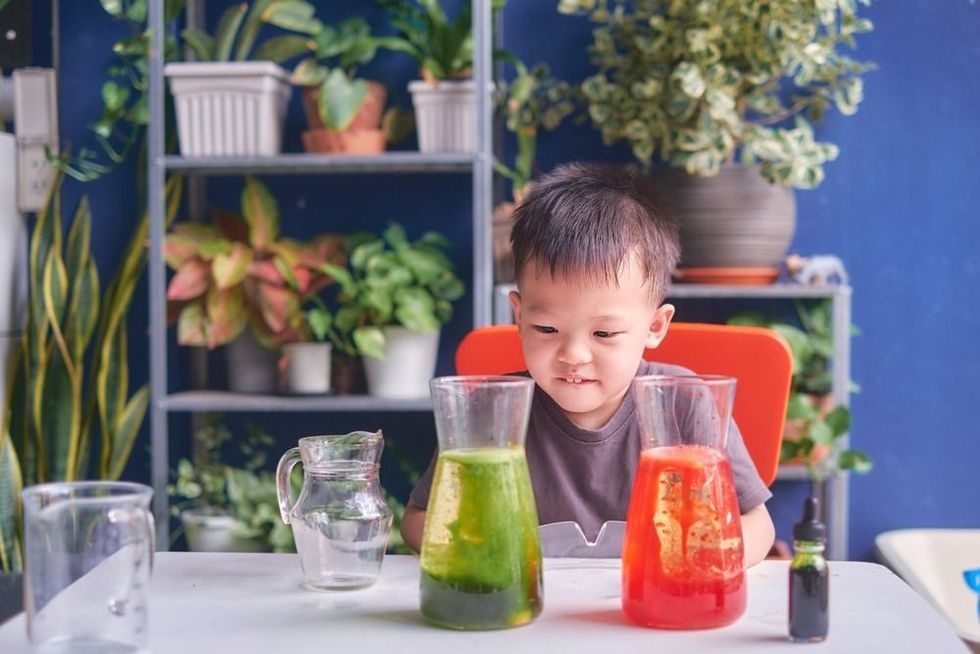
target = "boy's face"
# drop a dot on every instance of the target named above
(583, 340)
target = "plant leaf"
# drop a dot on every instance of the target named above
(309, 73)
(228, 24)
(191, 326)
(370, 342)
(293, 15)
(250, 30)
(281, 48)
(839, 420)
(226, 316)
(230, 269)
(126, 430)
(191, 281)
(856, 461)
(340, 99)
(83, 311)
(261, 214)
(200, 43)
(11, 483)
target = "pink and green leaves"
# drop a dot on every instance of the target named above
(239, 271)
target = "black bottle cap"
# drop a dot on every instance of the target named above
(810, 528)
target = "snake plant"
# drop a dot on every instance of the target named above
(68, 412)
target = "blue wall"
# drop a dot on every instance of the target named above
(899, 206)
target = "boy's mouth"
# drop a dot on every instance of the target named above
(575, 379)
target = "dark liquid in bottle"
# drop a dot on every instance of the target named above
(808, 604)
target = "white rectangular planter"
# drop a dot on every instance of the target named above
(445, 115)
(229, 109)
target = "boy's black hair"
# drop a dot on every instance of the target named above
(590, 218)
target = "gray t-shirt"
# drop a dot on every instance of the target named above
(586, 475)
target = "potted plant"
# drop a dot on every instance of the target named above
(343, 111)
(232, 101)
(228, 509)
(305, 364)
(814, 426)
(394, 298)
(533, 101)
(444, 99)
(701, 85)
(240, 273)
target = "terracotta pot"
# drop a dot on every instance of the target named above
(349, 141)
(347, 375)
(368, 117)
(793, 429)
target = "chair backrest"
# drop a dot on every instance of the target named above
(758, 358)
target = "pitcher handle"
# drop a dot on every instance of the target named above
(283, 472)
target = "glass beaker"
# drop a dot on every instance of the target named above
(88, 552)
(481, 552)
(340, 520)
(683, 559)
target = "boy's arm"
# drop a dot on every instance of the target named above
(413, 521)
(758, 534)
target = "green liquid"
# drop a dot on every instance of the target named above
(481, 556)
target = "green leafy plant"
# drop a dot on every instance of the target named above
(814, 429)
(239, 272)
(442, 47)
(125, 93)
(534, 100)
(69, 413)
(392, 281)
(247, 494)
(337, 52)
(694, 82)
(238, 29)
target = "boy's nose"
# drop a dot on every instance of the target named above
(574, 352)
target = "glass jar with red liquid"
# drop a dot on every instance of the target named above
(683, 558)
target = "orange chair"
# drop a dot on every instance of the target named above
(758, 358)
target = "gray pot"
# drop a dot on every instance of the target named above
(251, 367)
(735, 219)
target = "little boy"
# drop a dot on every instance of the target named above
(594, 248)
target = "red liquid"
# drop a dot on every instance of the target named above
(683, 560)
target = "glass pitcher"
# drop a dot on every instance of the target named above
(88, 552)
(481, 552)
(683, 559)
(340, 520)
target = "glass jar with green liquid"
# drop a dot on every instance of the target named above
(481, 555)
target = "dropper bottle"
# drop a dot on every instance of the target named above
(809, 583)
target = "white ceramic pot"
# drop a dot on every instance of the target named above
(229, 109)
(445, 115)
(409, 364)
(208, 531)
(306, 367)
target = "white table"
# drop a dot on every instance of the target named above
(242, 603)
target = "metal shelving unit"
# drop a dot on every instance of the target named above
(835, 491)
(321, 164)
(479, 164)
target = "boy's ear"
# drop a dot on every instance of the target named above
(515, 305)
(659, 324)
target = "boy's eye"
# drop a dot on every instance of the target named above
(545, 329)
(604, 334)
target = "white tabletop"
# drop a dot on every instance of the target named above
(241, 603)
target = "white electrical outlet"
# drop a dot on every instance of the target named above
(36, 128)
